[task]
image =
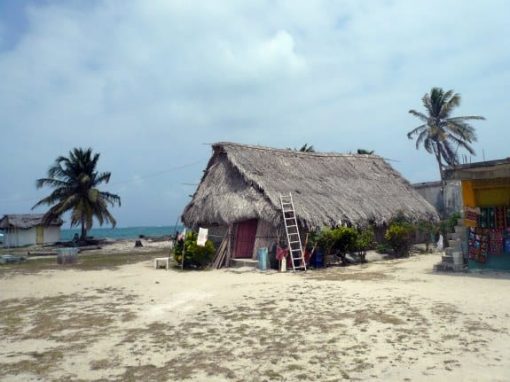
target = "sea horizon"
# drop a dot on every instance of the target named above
(134, 232)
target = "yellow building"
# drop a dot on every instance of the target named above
(486, 203)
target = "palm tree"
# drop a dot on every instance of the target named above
(75, 180)
(440, 134)
(307, 149)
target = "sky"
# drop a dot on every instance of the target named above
(151, 84)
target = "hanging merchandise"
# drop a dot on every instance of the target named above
(506, 246)
(496, 242)
(482, 219)
(471, 215)
(473, 244)
(508, 217)
(491, 217)
(500, 217)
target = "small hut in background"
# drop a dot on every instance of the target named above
(239, 193)
(28, 229)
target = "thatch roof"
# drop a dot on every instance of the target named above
(244, 182)
(26, 221)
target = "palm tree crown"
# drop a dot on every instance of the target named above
(75, 180)
(440, 134)
(307, 149)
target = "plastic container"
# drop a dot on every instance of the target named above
(318, 259)
(67, 255)
(262, 257)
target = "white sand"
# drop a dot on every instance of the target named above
(393, 320)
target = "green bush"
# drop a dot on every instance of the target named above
(429, 230)
(383, 248)
(365, 239)
(399, 237)
(340, 239)
(195, 256)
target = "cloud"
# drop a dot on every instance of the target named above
(148, 83)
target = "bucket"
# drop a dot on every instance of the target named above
(67, 255)
(318, 259)
(262, 257)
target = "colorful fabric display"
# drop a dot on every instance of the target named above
(496, 242)
(500, 217)
(471, 214)
(507, 245)
(482, 219)
(491, 217)
(473, 244)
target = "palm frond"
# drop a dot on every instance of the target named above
(463, 144)
(467, 118)
(111, 199)
(416, 130)
(104, 177)
(419, 115)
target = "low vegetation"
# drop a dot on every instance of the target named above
(195, 256)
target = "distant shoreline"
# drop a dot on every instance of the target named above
(124, 233)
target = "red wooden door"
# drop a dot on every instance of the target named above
(245, 239)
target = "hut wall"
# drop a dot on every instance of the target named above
(216, 234)
(15, 237)
(266, 236)
(51, 234)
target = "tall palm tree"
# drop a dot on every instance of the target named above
(440, 134)
(307, 149)
(75, 180)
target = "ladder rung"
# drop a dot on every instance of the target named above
(291, 226)
(294, 242)
(295, 250)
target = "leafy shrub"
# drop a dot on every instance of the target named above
(365, 239)
(429, 230)
(383, 248)
(195, 256)
(341, 239)
(399, 237)
(448, 225)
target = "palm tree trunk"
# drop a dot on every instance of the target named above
(83, 230)
(442, 206)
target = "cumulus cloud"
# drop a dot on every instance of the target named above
(148, 83)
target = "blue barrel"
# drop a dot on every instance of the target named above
(262, 256)
(318, 261)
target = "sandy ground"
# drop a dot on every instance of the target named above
(393, 320)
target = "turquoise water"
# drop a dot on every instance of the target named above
(121, 233)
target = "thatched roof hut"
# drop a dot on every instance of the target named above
(240, 194)
(28, 229)
(243, 182)
(26, 221)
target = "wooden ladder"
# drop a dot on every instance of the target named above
(292, 231)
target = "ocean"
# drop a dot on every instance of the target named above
(121, 233)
